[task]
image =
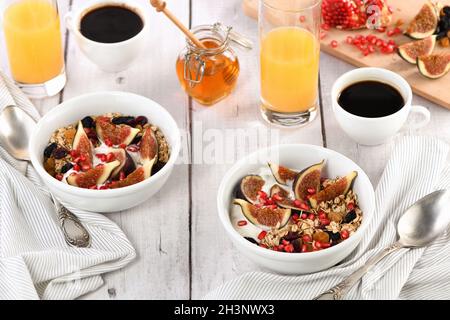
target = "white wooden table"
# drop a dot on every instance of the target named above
(183, 252)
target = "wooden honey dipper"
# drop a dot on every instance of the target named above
(160, 6)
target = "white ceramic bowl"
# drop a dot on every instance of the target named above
(296, 156)
(71, 111)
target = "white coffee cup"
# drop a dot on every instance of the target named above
(374, 131)
(110, 57)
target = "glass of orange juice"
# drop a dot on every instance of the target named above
(289, 60)
(34, 44)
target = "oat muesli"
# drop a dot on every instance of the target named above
(296, 211)
(106, 152)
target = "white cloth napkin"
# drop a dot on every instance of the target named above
(35, 261)
(418, 166)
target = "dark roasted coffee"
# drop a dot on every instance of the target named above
(371, 99)
(110, 24)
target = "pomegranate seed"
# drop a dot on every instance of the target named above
(82, 158)
(322, 215)
(359, 37)
(275, 249)
(273, 207)
(94, 187)
(133, 148)
(289, 248)
(366, 52)
(357, 42)
(110, 157)
(103, 187)
(344, 234)
(304, 248)
(304, 216)
(379, 43)
(108, 143)
(323, 34)
(269, 201)
(373, 41)
(311, 190)
(371, 48)
(122, 145)
(295, 217)
(258, 205)
(86, 167)
(391, 42)
(59, 176)
(349, 40)
(325, 26)
(302, 18)
(317, 244)
(325, 245)
(311, 216)
(361, 47)
(397, 30)
(263, 246)
(242, 223)
(76, 167)
(262, 235)
(73, 153)
(285, 242)
(122, 175)
(76, 160)
(262, 194)
(381, 30)
(389, 49)
(277, 197)
(363, 41)
(304, 206)
(350, 206)
(390, 33)
(297, 203)
(324, 222)
(334, 44)
(306, 238)
(99, 155)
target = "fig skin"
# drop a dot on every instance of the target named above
(426, 62)
(100, 173)
(287, 202)
(427, 9)
(248, 188)
(264, 217)
(282, 174)
(341, 186)
(306, 179)
(422, 47)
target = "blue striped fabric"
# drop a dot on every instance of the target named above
(35, 261)
(418, 166)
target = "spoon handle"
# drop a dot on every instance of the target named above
(341, 289)
(75, 233)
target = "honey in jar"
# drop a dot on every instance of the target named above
(208, 74)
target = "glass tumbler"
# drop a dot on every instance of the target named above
(289, 60)
(34, 44)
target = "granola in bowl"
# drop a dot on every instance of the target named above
(293, 211)
(109, 151)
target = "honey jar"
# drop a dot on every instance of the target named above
(210, 74)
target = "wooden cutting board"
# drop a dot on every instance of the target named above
(437, 91)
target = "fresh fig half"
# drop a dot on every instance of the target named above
(282, 174)
(249, 187)
(281, 197)
(424, 23)
(135, 177)
(412, 50)
(264, 216)
(434, 66)
(309, 178)
(82, 145)
(94, 176)
(121, 156)
(148, 150)
(341, 186)
(115, 134)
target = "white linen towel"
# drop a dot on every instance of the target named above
(418, 166)
(35, 261)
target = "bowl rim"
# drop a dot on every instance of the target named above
(224, 215)
(174, 148)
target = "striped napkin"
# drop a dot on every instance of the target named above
(418, 166)
(35, 261)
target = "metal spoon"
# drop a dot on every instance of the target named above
(420, 225)
(15, 131)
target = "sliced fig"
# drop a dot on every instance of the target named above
(120, 155)
(83, 145)
(341, 186)
(424, 23)
(264, 216)
(309, 178)
(285, 201)
(94, 176)
(115, 134)
(282, 174)
(412, 50)
(434, 66)
(249, 187)
(148, 150)
(133, 178)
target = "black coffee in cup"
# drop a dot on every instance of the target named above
(111, 23)
(371, 99)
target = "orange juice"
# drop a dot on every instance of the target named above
(33, 39)
(289, 69)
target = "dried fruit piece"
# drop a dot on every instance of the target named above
(309, 178)
(114, 134)
(434, 66)
(94, 176)
(48, 151)
(83, 146)
(341, 186)
(412, 50)
(424, 23)
(321, 236)
(264, 216)
(148, 151)
(135, 177)
(250, 187)
(282, 174)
